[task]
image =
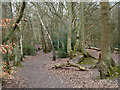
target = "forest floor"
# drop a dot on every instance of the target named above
(38, 73)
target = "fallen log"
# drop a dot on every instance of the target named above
(98, 49)
(94, 48)
(69, 64)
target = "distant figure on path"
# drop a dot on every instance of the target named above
(38, 47)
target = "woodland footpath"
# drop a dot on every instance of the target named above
(59, 44)
(41, 75)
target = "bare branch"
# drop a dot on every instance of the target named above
(16, 23)
(19, 18)
(114, 5)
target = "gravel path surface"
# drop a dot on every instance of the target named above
(38, 73)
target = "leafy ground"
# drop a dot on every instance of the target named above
(38, 73)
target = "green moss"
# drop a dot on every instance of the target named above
(113, 72)
(98, 77)
(75, 47)
(117, 69)
(71, 54)
(111, 77)
(88, 60)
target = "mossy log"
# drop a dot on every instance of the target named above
(70, 64)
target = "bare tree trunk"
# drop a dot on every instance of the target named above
(106, 62)
(74, 52)
(82, 34)
(82, 31)
(54, 53)
(4, 15)
(0, 52)
(21, 45)
(69, 28)
(17, 53)
(44, 46)
(10, 10)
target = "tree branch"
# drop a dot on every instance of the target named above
(16, 23)
(91, 26)
(19, 18)
(114, 5)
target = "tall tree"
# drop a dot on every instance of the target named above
(18, 47)
(0, 52)
(4, 15)
(47, 33)
(107, 64)
(69, 28)
(82, 38)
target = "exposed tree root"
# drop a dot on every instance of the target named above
(70, 64)
(107, 69)
(99, 59)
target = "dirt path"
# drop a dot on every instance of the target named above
(37, 73)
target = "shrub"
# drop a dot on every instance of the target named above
(29, 50)
(62, 35)
(62, 53)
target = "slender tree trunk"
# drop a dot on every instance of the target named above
(17, 60)
(4, 15)
(0, 52)
(54, 53)
(18, 49)
(82, 38)
(82, 34)
(10, 10)
(58, 44)
(50, 46)
(44, 47)
(77, 42)
(76, 30)
(21, 46)
(69, 28)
